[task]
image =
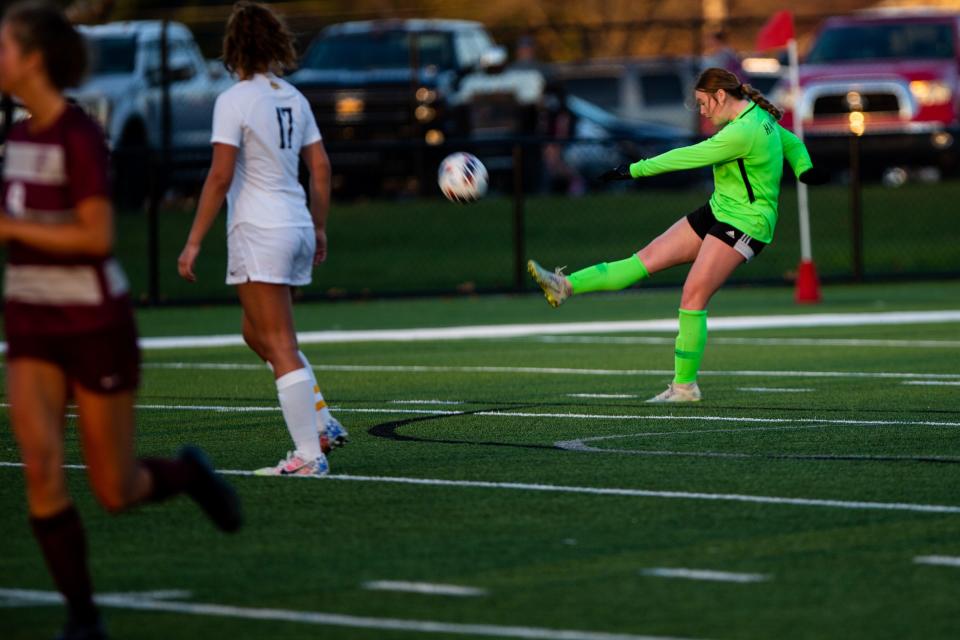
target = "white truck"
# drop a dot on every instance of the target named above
(124, 92)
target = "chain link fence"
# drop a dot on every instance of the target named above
(391, 232)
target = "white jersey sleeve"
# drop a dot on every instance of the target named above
(227, 122)
(311, 133)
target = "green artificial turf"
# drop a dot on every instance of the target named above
(549, 559)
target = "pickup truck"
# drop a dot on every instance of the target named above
(383, 89)
(123, 92)
(892, 77)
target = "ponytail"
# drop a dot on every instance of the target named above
(714, 79)
(761, 101)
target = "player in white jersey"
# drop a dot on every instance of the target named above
(262, 128)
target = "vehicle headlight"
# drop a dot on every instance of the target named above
(426, 96)
(930, 92)
(424, 113)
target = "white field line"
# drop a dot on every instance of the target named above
(425, 588)
(611, 491)
(934, 383)
(567, 416)
(776, 389)
(436, 402)
(704, 574)
(791, 321)
(760, 342)
(400, 368)
(940, 561)
(327, 619)
(601, 395)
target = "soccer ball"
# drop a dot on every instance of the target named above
(462, 177)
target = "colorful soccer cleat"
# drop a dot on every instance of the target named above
(296, 465)
(335, 434)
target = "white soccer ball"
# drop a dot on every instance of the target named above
(462, 177)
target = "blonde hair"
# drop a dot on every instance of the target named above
(714, 79)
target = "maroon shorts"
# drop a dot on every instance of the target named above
(103, 362)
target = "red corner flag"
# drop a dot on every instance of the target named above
(777, 32)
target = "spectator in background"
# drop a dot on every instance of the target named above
(717, 52)
(555, 122)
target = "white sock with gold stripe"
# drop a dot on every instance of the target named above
(323, 413)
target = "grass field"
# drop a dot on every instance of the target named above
(821, 469)
(431, 245)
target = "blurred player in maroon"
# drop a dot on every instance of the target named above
(69, 323)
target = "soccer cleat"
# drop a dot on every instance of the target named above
(296, 465)
(555, 287)
(211, 492)
(677, 392)
(336, 435)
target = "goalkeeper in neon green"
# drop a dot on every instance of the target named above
(734, 226)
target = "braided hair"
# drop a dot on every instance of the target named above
(714, 79)
(257, 41)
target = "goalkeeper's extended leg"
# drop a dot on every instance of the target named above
(606, 276)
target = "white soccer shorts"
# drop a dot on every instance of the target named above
(275, 256)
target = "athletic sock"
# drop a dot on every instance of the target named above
(691, 342)
(170, 477)
(323, 412)
(295, 390)
(64, 546)
(609, 276)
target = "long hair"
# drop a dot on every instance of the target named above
(42, 26)
(257, 41)
(714, 79)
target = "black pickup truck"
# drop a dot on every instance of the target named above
(385, 93)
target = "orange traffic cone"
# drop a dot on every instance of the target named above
(807, 290)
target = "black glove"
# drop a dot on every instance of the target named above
(814, 176)
(620, 173)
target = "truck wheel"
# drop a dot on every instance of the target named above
(131, 168)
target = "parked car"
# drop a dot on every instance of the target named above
(123, 91)
(380, 83)
(892, 77)
(650, 90)
(626, 110)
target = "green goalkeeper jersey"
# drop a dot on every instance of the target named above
(747, 157)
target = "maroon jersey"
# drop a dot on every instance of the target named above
(46, 174)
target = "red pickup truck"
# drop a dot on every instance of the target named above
(892, 77)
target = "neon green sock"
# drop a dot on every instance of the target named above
(691, 342)
(609, 276)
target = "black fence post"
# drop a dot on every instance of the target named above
(159, 179)
(519, 226)
(856, 208)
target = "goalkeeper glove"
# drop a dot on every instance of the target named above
(814, 176)
(622, 172)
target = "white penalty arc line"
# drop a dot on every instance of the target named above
(399, 368)
(609, 491)
(791, 321)
(328, 619)
(581, 445)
